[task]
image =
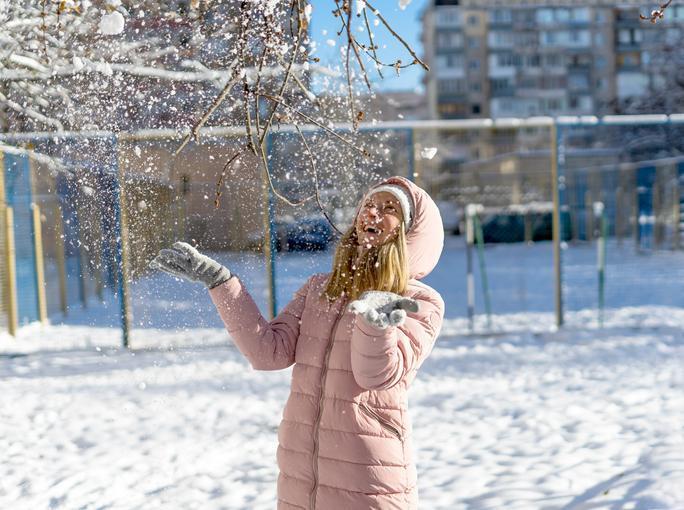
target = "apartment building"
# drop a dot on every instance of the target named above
(520, 58)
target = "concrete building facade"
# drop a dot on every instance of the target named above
(521, 58)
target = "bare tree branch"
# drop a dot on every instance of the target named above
(219, 183)
(348, 143)
(406, 45)
(314, 171)
(656, 14)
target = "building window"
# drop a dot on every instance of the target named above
(500, 84)
(449, 61)
(581, 14)
(500, 15)
(507, 60)
(545, 16)
(451, 109)
(475, 86)
(473, 43)
(474, 64)
(500, 38)
(630, 36)
(553, 60)
(451, 86)
(448, 16)
(553, 104)
(548, 38)
(582, 60)
(629, 59)
(578, 81)
(449, 40)
(528, 82)
(562, 15)
(476, 109)
(473, 20)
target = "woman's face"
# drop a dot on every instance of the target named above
(378, 220)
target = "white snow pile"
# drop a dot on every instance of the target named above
(515, 415)
(585, 420)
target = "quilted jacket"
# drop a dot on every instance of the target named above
(345, 435)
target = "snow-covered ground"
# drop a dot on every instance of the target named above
(526, 417)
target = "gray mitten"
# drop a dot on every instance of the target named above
(382, 309)
(184, 261)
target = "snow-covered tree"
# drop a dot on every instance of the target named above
(124, 64)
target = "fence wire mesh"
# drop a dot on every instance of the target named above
(4, 282)
(118, 202)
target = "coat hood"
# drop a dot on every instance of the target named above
(425, 238)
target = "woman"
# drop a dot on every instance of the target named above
(356, 338)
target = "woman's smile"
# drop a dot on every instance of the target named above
(379, 218)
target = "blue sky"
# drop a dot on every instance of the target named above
(406, 23)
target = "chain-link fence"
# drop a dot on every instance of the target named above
(566, 218)
(617, 186)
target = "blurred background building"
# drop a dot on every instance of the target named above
(521, 58)
(527, 58)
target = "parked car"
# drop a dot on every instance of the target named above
(510, 227)
(307, 234)
(304, 234)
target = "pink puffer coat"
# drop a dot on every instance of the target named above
(345, 436)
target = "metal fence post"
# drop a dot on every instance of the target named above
(38, 258)
(479, 238)
(40, 264)
(121, 245)
(4, 232)
(676, 210)
(602, 232)
(269, 234)
(557, 187)
(61, 260)
(11, 271)
(470, 278)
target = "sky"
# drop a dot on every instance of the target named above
(324, 26)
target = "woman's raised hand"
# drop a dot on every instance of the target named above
(382, 309)
(184, 261)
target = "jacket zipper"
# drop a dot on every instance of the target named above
(317, 421)
(383, 423)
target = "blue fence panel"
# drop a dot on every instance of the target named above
(67, 189)
(645, 180)
(107, 201)
(609, 183)
(580, 209)
(18, 196)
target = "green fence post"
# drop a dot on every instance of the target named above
(269, 233)
(121, 245)
(600, 216)
(557, 189)
(479, 236)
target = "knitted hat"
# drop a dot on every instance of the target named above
(405, 201)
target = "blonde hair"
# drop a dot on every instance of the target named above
(384, 267)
